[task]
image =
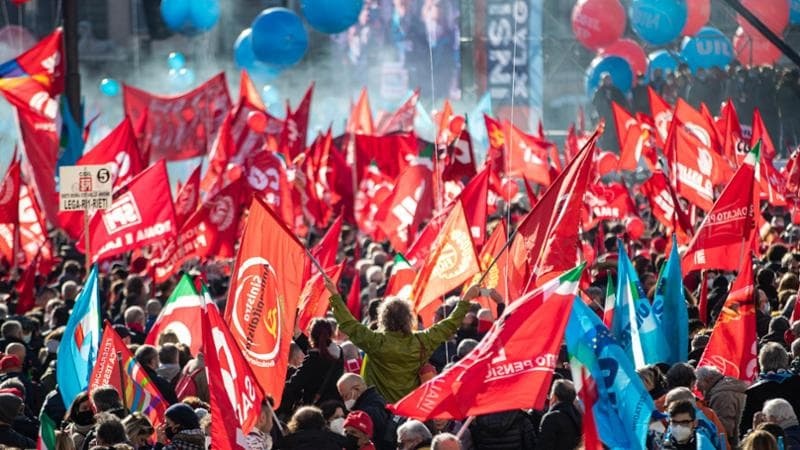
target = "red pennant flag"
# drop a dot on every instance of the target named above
(768, 149)
(733, 343)
(547, 239)
(528, 155)
(374, 190)
(314, 297)
(233, 393)
(402, 121)
(662, 116)
(718, 242)
(293, 136)
(179, 127)
(474, 198)
(188, 197)
(116, 366)
(665, 206)
(9, 194)
(326, 248)
(248, 93)
(262, 300)
(134, 219)
(510, 369)
(360, 121)
(409, 205)
(734, 144)
(451, 264)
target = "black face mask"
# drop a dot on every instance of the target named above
(170, 433)
(84, 418)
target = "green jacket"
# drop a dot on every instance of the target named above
(393, 359)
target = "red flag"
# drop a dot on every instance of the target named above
(120, 150)
(262, 300)
(360, 121)
(40, 144)
(609, 202)
(732, 348)
(33, 79)
(734, 144)
(460, 160)
(375, 188)
(392, 154)
(510, 369)
(233, 393)
(451, 263)
(116, 366)
(662, 116)
(267, 175)
(474, 198)
(496, 154)
(314, 297)
(293, 136)
(9, 194)
(354, 297)
(635, 140)
(496, 278)
(326, 248)
(188, 197)
(409, 205)
(402, 121)
(588, 396)
(665, 206)
(141, 213)
(528, 155)
(768, 149)
(547, 239)
(702, 302)
(26, 289)
(697, 169)
(33, 238)
(179, 127)
(718, 242)
(699, 125)
(423, 244)
(248, 92)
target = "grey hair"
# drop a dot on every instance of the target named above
(706, 372)
(442, 438)
(679, 394)
(780, 411)
(773, 357)
(414, 429)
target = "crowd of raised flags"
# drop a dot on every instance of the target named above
(379, 212)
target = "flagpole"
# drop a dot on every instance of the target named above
(318, 266)
(88, 245)
(122, 381)
(464, 427)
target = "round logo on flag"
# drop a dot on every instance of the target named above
(452, 261)
(187, 199)
(256, 322)
(221, 213)
(704, 161)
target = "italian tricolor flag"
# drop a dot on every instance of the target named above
(47, 433)
(182, 314)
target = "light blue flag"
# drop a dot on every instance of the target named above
(78, 348)
(477, 127)
(634, 324)
(669, 307)
(71, 143)
(623, 408)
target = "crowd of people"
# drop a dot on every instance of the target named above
(775, 91)
(343, 372)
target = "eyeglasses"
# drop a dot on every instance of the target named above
(681, 422)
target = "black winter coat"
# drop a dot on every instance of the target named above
(10, 438)
(373, 403)
(762, 390)
(306, 381)
(509, 430)
(313, 440)
(560, 429)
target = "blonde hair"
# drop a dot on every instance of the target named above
(759, 440)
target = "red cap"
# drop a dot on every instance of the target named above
(10, 362)
(360, 421)
(13, 391)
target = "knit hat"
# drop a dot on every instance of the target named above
(183, 415)
(9, 407)
(10, 362)
(360, 421)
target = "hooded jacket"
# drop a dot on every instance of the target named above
(727, 397)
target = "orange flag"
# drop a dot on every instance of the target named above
(496, 279)
(451, 263)
(360, 121)
(262, 300)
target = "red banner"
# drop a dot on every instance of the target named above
(183, 126)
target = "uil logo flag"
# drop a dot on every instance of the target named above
(78, 348)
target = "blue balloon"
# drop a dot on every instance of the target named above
(181, 79)
(794, 12)
(176, 14)
(279, 37)
(662, 59)
(708, 48)
(176, 60)
(331, 16)
(110, 87)
(204, 14)
(245, 59)
(618, 68)
(658, 22)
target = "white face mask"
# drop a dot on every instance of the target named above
(681, 433)
(337, 426)
(349, 403)
(27, 338)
